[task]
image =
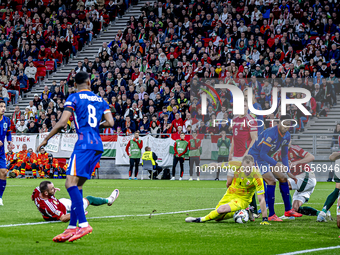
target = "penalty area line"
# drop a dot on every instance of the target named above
(311, 250)
(104, 217)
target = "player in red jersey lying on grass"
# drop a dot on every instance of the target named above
(53, 209)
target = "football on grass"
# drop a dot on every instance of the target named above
(241, 216)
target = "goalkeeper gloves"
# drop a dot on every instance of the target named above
(265, 221)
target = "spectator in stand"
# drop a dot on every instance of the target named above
(45, 102)
(13, 87)
(134, 113)
(335, 139)
(46, 92)
(22, 127)
(36, 100)
(4, 94)
(128, 126)
(15, 117)
(177, 122)
(80, 68)
(53, 123)
(32, 128)
(32, 108)
(23, 80)
(30, 72)
(89, 29)
(64, 48)
(57, 94)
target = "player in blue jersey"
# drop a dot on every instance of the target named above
(88, 110)
(267, 143)
(5, 132)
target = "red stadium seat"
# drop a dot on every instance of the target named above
(49, 66)
(41, 73)
(39, 63)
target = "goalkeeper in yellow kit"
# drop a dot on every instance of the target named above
(247, 180)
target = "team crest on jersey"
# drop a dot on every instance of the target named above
(291, 155)
(284, 142)
(55, 202)
(269, 139)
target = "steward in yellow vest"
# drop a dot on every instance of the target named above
(149, 155)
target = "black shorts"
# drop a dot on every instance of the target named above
(222, 159)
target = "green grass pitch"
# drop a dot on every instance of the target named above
(159, 234)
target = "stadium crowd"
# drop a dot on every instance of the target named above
(37, 36)
(150, 72)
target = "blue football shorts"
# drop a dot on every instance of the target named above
(263, 166)
(82, 163)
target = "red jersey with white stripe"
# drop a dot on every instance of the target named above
(51, 209)
(295, 153)
(241, 133)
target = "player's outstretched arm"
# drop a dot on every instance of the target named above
(290, 175)
(60, 124)
(263, 206)
(307, 159)
(65, 217)
(9, 137)
(253, 136)
(108, 122)
(334, 156)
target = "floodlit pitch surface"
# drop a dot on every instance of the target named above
(148, 218)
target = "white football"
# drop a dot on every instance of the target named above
(241, 216)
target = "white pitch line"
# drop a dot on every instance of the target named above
(104, 217)
(115, 216)
(311, 250)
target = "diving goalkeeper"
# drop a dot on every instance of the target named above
(246, 181)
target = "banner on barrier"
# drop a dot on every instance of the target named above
(161, 148)
(109, 144)
(114, 146)
(19, 140)
(53, 143)
(68, 141)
